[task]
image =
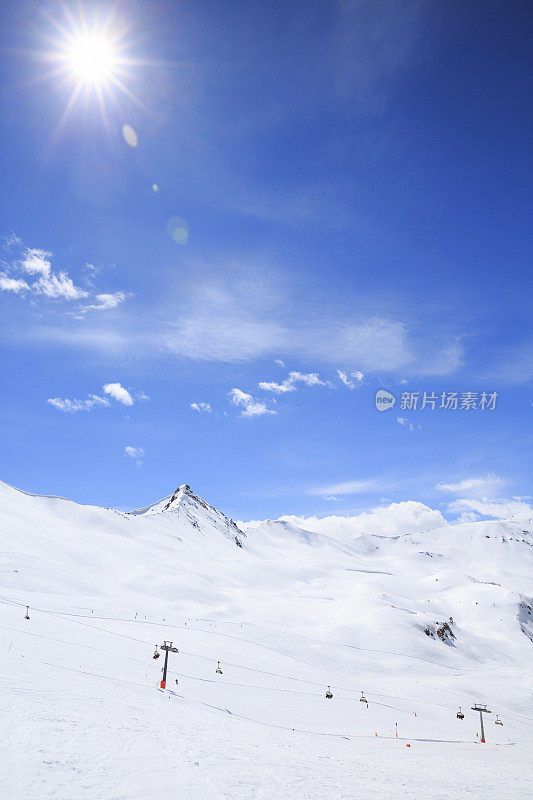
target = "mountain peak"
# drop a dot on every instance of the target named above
(189, 507)
(176, 497)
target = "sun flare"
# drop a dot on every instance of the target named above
(92, 59)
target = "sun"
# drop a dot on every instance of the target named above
(92, 59)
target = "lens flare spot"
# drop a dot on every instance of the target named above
(155, 187)
(178, 230)
(129, 135)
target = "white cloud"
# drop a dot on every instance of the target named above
(277, 388)
(349, 487)
(114, 390)
(49, 284)
(72, 406)
(395, 519)
(201, 408)
(279, 362)
(250, 406)
(473, 486)
(55, 286)
(491, 507)
(118, 393)
(411, 426)
(36, 262)
(288, 385)
(105, 302)
(90, 271)
(8, 284)
(135, 453)
(308, 378)
(352, 380)
(142, 396)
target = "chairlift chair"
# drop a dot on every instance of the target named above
(460, 714)
(27, 612)
(363, 699)
(498, 721)
(218, 669)
(329, 693)
(156, 652)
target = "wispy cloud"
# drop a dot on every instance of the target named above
(349, 487)
(289, 384)
(250, 407)
(478, 486)
(58, 286)
(512, 364)
(492, 507)
(408, 425)
(11, 240)
(114, 390)
(135, 453)
(73, 406)
(277, 388)
(242, 315)
(352, 380)
(105, 302)
(252, 313)
(15, 285)
(118, 393)
(202, 408)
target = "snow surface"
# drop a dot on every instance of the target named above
(287, 612)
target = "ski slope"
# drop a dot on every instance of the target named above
(287, 612)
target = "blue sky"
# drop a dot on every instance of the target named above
(325, 198)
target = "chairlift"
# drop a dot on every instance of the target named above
(363, 699)
(218, 669)
(460, 714)
(498, 721)
(156, 652)
(27, 612)
(329, 693)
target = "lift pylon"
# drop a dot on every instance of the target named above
(482, 708)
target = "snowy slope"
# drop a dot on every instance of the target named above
(287, 613)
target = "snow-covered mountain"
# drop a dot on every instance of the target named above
(191, 509)
(422, 623)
